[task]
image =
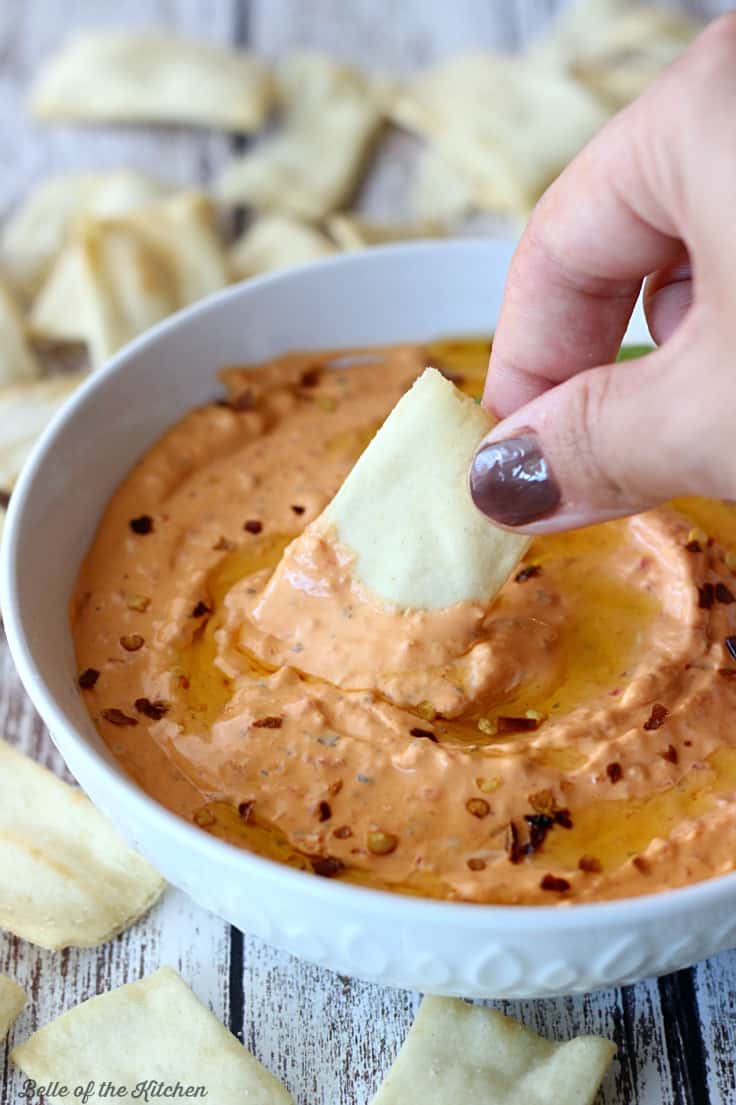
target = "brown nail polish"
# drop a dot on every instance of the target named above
(512, 483)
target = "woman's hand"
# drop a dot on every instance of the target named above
(652, 196)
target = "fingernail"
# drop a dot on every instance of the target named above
(512, 483)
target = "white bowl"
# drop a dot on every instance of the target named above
(410, 292)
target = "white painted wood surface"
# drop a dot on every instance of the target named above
(328, 1037)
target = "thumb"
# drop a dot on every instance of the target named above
(610, 441)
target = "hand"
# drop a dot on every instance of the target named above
(652, 196)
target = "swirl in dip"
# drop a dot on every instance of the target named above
(581, 747)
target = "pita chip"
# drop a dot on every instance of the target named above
(153, 1032)
(17, 360)
(67, 879)
(420, 542)
(616, 47)
(35, 232)
(351, 232)
(508, 125)
(25, 411)
(311, 166)
(461, 1053)
(152, 77)
(107, 285)
(276, 242)
(439, 192)
(12, 1000)
(116, 277)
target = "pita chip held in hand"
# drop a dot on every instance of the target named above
(401, 545)
(405, 511)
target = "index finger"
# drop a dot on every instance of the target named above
(604, 225)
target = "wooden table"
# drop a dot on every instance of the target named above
(328, 1037)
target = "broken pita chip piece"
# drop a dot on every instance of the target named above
(67, 879)
(12, 1000)
(25, 411)
(351, 232)
(401, 548)
(17, 360)
(276, 242)
(331, 115)
(457, 1052)
(36, 230)
(506, 124)
(154, 1029)
(419, 541)
(152, 77)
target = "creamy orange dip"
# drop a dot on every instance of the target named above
(575, 740)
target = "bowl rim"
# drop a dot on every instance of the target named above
(556, 918)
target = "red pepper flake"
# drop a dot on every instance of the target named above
(154, 710)
(614, 772)
(478, 807)
(730, 643)
(298, 509)
(310, 378)
(88, 678)
(670, 754)
(657, 717)
(477, 864)
(590, 865)
(335, 787)
(142, 525)
(512, 845)
(552, 882)
(327, 867)
(539, 825)
(253, 526)
(117, 717)
(343, 833)
(131, 642)
(562, 818)
(517, 724)
(693, 546)
(245, 811)
(243, 401)
(727, 673)
(723, 594)
(706, 596)
(641, 864)
(201, 609)
(529, 572)
(324, 811)
(268, 723)
(427, 734)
